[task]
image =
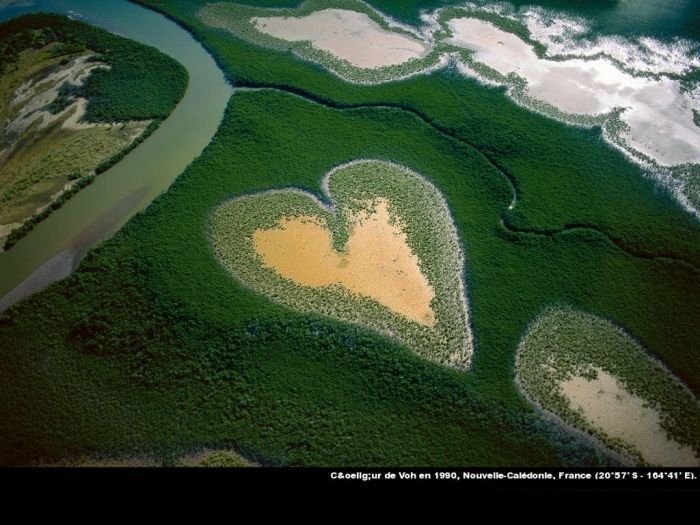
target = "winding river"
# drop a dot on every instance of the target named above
(56, 246)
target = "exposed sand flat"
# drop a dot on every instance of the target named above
(349, 35)
(379, 250)
(659, 116)
(608, 406)
(377, 263)
(57, 268)
(31, 98)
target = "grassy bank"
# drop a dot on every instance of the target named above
(57, 65)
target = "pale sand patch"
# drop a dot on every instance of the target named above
(659, 116)
(349, 35)
(609, 407)
(32, 97)
(564, 35)
(76, 111)
(377, 262)
(6, 229)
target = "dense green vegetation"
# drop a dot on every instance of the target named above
(153, 347)
(564, 175)
(566, 179)
(563, 342)
(354, 189)
(177, 354)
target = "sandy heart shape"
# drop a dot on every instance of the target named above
(383, 253)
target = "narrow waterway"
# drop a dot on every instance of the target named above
(56, 246)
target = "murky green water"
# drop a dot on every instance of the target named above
(58, 243)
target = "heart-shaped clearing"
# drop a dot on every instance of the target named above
(386, 255)
(377, 261)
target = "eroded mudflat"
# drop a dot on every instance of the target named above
(348, 35)
(377, 262)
